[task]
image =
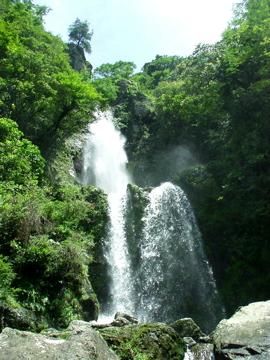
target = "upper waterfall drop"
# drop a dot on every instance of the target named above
(104, 157)
(104, 165)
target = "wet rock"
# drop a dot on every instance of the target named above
(189, 341)
(205, 339)
(78, 341)
(246, 335)
(120, 319)
(131, 319)
(200, 352)
(187, 327)
(137, 200)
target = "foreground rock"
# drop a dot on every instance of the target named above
(246, 335)
(146, 341)
(79, 341)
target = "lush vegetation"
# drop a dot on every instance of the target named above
(48, 226)
(38, 87)
(212, 109)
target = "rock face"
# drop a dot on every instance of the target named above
(77, 58)
(79, 341)
(246, 335)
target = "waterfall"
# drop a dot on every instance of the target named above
(175, 277)
(104, 165)
(170, 277)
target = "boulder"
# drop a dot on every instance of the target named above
(246, 335)
(187, 327)
(146, 341)
(78, 341)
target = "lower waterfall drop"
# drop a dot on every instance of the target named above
(175, 279)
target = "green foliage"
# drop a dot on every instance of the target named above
(20, 160)
(47, 235)
(48, 231)
(49, 239)
(6, 273)
(50, 277)
(160, 69)
(7, 276)
(108, 88)
(116, 71)
(80, 34)
(21, 214)
(38, 88)
(109, 77)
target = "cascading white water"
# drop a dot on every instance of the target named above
(104, 165)
(171, 274)
(175, 279)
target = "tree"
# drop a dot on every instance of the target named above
(116, 71)
(80, 34)
(109, 76)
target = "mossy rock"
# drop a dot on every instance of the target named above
(90, 305)
(145, 342)
(65, 161)
(19, 318)
(187, 327)
(137, 200)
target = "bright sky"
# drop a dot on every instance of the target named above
(138, 30)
